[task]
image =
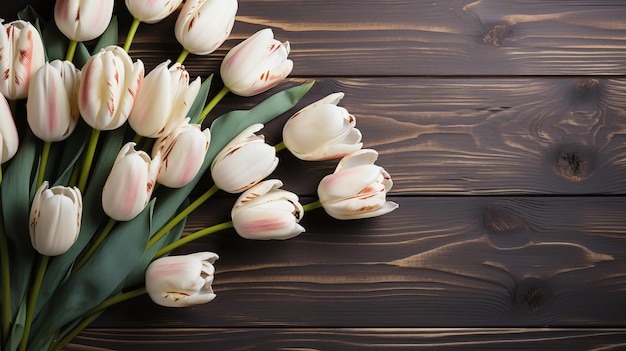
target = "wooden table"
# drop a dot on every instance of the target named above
(503, 125)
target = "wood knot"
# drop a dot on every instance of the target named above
(531, 295)
(574, 162)
(588, 88)
(505, 228)
(496, 35)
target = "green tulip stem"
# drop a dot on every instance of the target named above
(279, 146)
(183, 55)
(312, 206)
(32, 301)
(45, 152)
(91, 315)
(91, 150)
(71, 49)
(182, 215)
(193, 236)
(0, 175)
(6, 286)
(217, 98)
(103, 235)
(131, 34)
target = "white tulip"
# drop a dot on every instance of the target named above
(55, 219)
(109, 85)
(357, 188)
(82, 20)
(9, 139)
(52, 106)
(322, 131)
(183, 152)
(256, 64)
(266, 212)
(244, 161)
(130, 183)
(152, 11)
(21, 55)
(203, 25)
(163, 101)
(180, 281)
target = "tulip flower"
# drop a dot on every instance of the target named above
(180, 281)
(152, 11)
(9, 139)
(322, 131)
(130, 183)
(82, 20)
(21, 55)
(256, 64)
(109, 85)
(55, 218)
(203, 25)
(357, 188)
(266, 212)
(244, 161)
(163, 101)
(52, 106)
(183, 153)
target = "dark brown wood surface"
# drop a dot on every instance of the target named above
(503, 125)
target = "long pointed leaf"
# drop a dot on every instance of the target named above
(15, 191)
(97, 279)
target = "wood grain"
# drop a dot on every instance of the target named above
(357, 339)
(437, 262)
(503, 124)
(413, 37)
(477, 135)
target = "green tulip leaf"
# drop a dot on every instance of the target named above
(93, 214)
(16, 197)
(97, 279)
(68, 153)
(109, 37)
(226, 127)
(137, 276)
(200, 101)
(17, 331)
(30, 15)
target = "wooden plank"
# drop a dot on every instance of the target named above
(249, 339)
(435, 262)
(476, 136)
(410, 37)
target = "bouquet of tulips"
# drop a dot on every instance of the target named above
(99, 159)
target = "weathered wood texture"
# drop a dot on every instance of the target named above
(354, 339)
(503, 124)
(437, 262)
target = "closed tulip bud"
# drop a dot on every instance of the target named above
(181, 281)
(131, 181)
(183, 153)
(357, 188)
(203, 25)
(266, 212)
(163, 101)
(82, 20)
(21, 55)
(52, 106)
(55, 218)
(322, 131)
(9, 139)
(244, 161)
(256, 64)
(109, 85)
(152, 11)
